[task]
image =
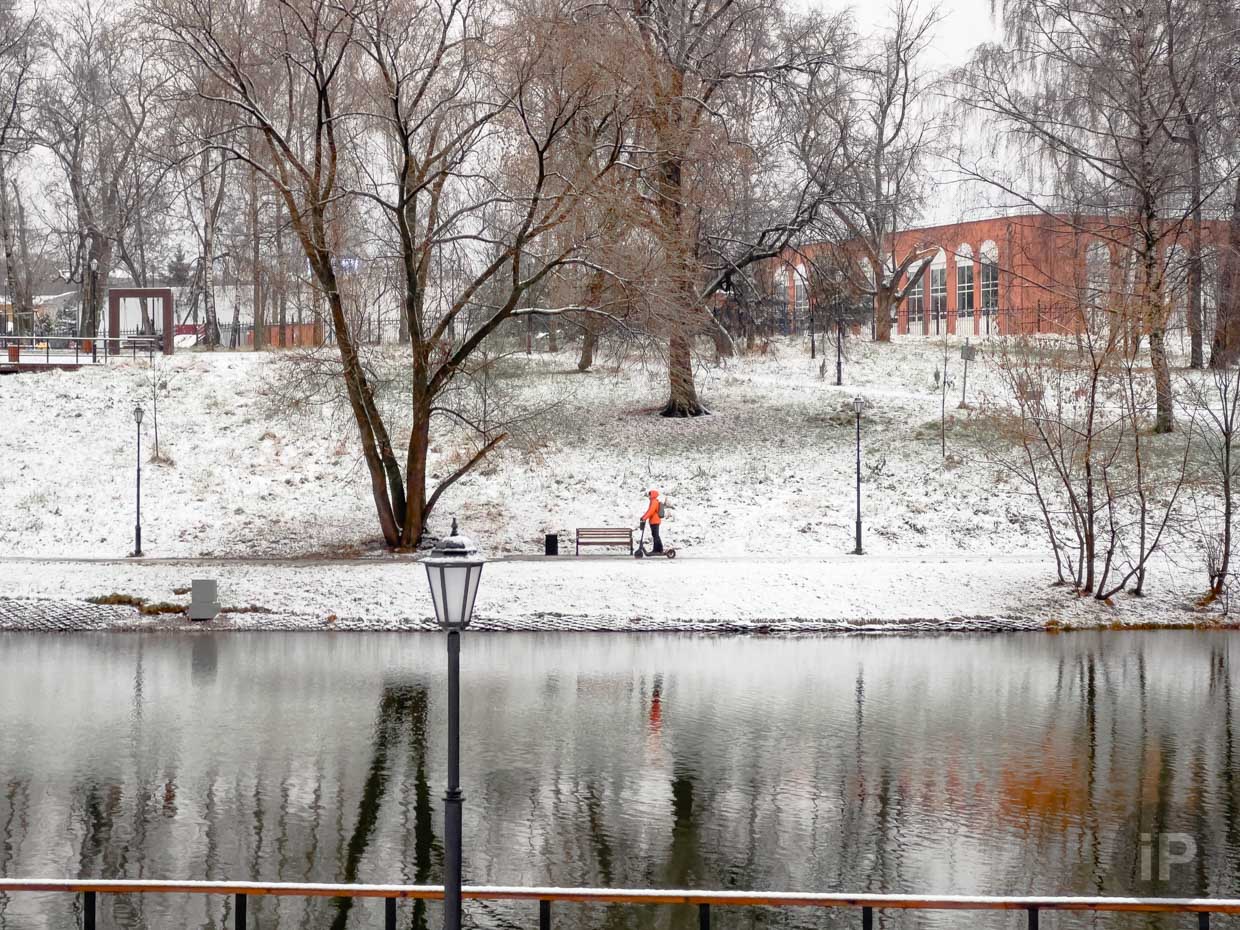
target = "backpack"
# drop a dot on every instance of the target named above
(662, 505)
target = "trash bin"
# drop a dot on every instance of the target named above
(552, 546)
(15, 353)
(204, 603)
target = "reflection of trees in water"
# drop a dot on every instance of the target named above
(1100, 746)
(402, 709)
(13, 825)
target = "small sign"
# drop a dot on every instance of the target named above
(968, 353)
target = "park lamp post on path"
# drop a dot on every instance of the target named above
(453, 570)
(858, 405)
(137, 521)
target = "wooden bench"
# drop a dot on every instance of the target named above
(142, 343)
(604, 536)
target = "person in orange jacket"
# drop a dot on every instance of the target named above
(652, 517)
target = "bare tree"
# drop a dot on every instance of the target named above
(1216, 404)
(20, 36)
(204, 175)
(892, 129)
(1085, 86)
(441, 125)
(723, 87)
(1078, 418)
(94, 108)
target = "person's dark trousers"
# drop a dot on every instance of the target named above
(654, 535)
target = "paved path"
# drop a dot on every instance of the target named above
(682, 555)
(897, 591)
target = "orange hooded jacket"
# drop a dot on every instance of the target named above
(652, 512)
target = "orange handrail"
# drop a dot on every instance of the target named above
(634, 896)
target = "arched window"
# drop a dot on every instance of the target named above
(800, 305)
(916, 300)
(964, 289)
(938, 293)
(990, 286)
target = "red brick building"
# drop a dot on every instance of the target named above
(1015, 274)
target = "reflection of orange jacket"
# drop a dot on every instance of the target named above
(652, 512)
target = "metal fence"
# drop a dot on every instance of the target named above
(78, 350)
(704, 901)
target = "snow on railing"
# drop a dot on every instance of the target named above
(703, 900)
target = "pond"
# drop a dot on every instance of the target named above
(1000, 764)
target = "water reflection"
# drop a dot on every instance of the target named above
(1013, 765)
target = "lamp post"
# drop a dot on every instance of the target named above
(858, 405)
(453, 571)
(137, 520)
(94, 322)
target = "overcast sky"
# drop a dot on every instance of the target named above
(965, 24)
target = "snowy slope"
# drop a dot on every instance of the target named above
(762, 494)
(772, 471)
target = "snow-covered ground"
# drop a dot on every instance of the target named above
(762, 493)
(772, 471)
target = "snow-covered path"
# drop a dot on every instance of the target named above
(781, 595)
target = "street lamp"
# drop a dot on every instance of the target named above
(453, 571)
(858, 405)
(137, 522)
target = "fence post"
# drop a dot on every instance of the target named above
(88, 911)
(867, 918)
(389, 914)
(239, 913)
(703, 917)
(1203, 920)
(1033, 918)
(544, 915)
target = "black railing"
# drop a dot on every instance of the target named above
(704, 901)
(57, 350)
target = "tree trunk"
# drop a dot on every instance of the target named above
(255, 258)
(725, 347)
(385, 481)
(1226, 343)
(553, 339)
(683, 401)
(415, 473)
(211, 336)
(589, 336)
(1220, 579)
(16, 254)
(882, 315)
(211, 204)
(99, 252)
(1194, 264)
(282, 299)
(1164, 421)
(234, 338)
